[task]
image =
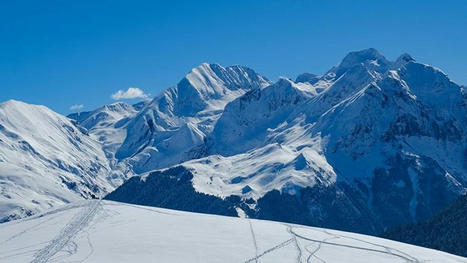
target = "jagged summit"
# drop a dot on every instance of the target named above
(230, 75)
(213, 81)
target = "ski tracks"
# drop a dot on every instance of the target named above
(313, 252)
(292, 240)
(281, 245)
(297, 245)
(73, 227)
(387, 250)
(254, 240)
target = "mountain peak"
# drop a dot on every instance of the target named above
(213, 81)
(217, 72)
(12, 102)
(367, 53)
(204, 67)
(402, 60)
(308, 77)
(357, 57)
(405, 57)
(116, 106)
(21, 107)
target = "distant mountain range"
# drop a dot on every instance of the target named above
(369, 145)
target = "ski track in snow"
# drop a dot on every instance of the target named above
(294, 237)
(387, 250)
(267, 251)
(52, 213)
(76, 224)
(90, 246)
(254, 240)
(312, 253)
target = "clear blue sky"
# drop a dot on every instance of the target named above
(60, 53)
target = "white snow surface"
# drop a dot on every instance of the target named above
(105, 231)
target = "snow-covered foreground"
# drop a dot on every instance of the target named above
(105, 231)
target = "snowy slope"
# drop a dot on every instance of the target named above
(45, 160)
(383, 140)
(103, 231)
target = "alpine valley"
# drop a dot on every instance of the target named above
(369, 145)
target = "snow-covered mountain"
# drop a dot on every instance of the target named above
(173, 127)
(45, 160)
(103, 231)
(370, 144)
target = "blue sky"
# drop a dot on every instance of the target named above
(64, 53)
